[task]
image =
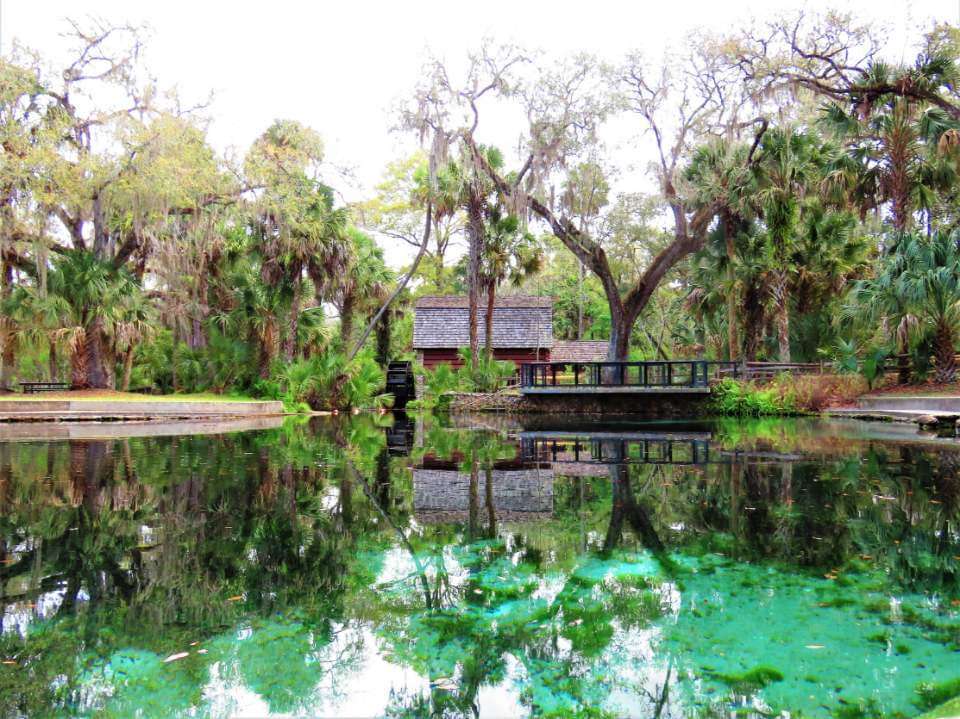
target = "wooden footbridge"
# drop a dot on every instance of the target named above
(651, 377)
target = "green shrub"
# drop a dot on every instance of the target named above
(490, 375)
(745, 399)
(931, 694)
(785, 395)
(328, 381)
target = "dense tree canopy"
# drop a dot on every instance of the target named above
(794, 169)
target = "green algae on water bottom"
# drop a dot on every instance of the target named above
(751, 680)
(932, 694)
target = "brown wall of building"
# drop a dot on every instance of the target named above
(433, 357)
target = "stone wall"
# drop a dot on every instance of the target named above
(656, 406)
(486, 402)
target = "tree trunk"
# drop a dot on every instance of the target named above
(173, 360)
(781, 304)
(198, 337)
(580, 272)
(127, 367)
(732, 342)
(383, 330)
(52, 363)
(475, 233)
(945, 353)
(491, 302)
(753, 321)
(900, 181)
(346, 320)
(8, 355)
(621, 327)
(903, 362)
(290, 343)
(97, 357)
(267, 347)
(8, 359)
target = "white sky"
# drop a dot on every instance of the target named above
(340, 66)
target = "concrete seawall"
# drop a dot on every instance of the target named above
(39, 410)
(130, 428)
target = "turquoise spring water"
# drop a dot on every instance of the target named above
(373, 567)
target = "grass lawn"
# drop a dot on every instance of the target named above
(109, 395)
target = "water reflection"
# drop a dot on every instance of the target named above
(406, 567)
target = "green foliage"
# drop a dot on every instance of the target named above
(872, 366)
(744, 399)
(931, 694)
(751, 680)
(327, 381)
(490, 374)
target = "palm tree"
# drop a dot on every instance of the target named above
(92, 295)
(363, 285)
(929, 281)
(787, 168)
(465, 186)
(899, 149)
(878, 301)
(721, 176)
(510, 253)
(135, 325)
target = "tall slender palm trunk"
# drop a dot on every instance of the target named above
(290, 342)
(488, 320)
(944, 352)
(781, 304)
(475, 232)
(732, 342)
(346, 320)
(127, 366)
(8, 354)
(52, 361)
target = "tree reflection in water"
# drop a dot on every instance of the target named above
(603, 574)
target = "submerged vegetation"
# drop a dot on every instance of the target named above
(444, 572)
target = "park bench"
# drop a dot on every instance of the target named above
(34, 387)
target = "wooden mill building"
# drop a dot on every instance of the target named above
(522, 331)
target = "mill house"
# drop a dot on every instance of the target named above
(522, 331)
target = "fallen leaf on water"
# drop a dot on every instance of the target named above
(175, 657)
(235, 599)
(815, 646)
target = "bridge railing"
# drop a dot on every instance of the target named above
(653, 374)
(651, 450)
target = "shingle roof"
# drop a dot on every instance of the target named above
(463, 302)
(579, 351)
(518, 322)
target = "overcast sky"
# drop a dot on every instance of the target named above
(339, 66)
